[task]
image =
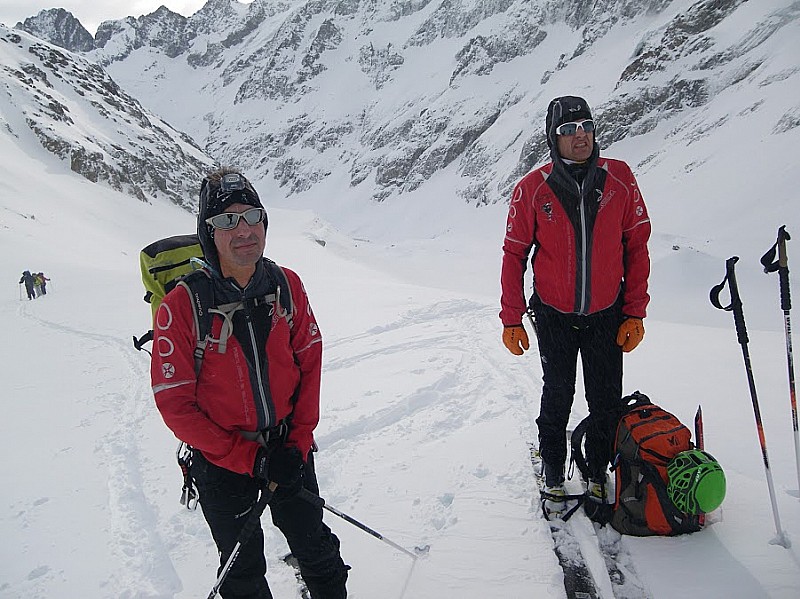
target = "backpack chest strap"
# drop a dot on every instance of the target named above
(228, 311)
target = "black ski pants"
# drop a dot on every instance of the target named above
(227, 499)
(561, 338)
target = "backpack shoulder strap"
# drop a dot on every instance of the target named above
(678, 521)
(199, 286)
(576, 441)
(283, 292)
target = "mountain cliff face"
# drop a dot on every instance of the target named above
(375, 99)
(60, 28)
(74, 110)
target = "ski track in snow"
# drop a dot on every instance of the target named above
(459, 389)
(145, 567)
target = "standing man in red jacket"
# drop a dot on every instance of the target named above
(585, 220)
(250, 411)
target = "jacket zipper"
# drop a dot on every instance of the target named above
(582, 257)
(257, 366)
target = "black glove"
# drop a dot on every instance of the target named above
(283, 466)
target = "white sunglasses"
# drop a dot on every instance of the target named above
(568, 129)
(230, 220)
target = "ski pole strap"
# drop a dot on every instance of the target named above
(576, 442)
(138, 343)
(781, 265)
(736, 301)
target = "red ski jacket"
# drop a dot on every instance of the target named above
(587, 247)
(234, 394)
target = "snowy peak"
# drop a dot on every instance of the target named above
(75, 111)
(387, 96)
(59, 27)
(381, 98)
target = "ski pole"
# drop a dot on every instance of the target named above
(244, 535)
(741, 332)
(320, 502)
(781, 265)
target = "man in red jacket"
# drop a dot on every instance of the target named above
(585, 220)
(250, 411)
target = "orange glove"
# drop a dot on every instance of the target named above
(630, 334)
(515, 339)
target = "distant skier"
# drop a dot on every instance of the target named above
(37, 284)
(585, 220)
(42, 282)
(27, 278)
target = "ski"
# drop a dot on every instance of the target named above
(578, 580)
(291, 561)
(625, 582)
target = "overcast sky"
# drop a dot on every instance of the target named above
(91, 13)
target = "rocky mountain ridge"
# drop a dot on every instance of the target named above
(375, 99)
(75, 111)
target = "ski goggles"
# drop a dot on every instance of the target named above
(230, 220)
(568, 129)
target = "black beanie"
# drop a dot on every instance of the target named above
(565, 109)
(216, 194)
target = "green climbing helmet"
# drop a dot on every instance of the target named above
(696, 482)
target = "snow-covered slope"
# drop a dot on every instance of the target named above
(425, 415)
(57, 100)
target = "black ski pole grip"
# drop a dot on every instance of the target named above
(780, 265)
(783, 269)
(786, 298)
(311, 498)
(254, 521)
(736, 301)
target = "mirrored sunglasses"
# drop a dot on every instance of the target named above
(230, 220)
(568, 129)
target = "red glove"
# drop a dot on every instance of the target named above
(630, 334)
(515, 339)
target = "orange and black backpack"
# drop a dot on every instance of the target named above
(647, 438)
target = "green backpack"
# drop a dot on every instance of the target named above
(163, 263)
